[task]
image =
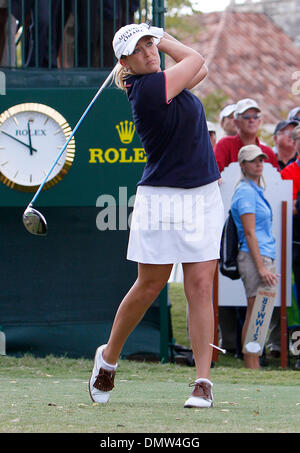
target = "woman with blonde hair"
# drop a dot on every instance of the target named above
(181, 173)
(252, 215)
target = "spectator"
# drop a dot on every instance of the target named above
(227, 119)
(247, 121)
(32, 58)
(285, 145)
(292, 171)
(7, 55)
(252, 215)
(294, 114)
(286, 153)
(212, 133)
(3, 20)
(113, 18)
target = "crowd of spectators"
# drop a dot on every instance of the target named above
(241, 123)
(52, 36)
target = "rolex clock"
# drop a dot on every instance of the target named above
(31, 137)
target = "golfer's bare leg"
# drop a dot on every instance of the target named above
(198, 285)
(151, 280)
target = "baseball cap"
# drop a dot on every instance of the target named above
(210, 126)
(126, 38)
(227, 111)
(295, 112)
(283, 124)
(250, 152)
(245, 104)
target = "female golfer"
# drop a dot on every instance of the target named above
(178, 212)
(252, 215)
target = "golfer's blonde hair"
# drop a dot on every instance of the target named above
(120, 76)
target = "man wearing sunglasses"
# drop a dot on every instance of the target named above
(285, 145)
(247, 120)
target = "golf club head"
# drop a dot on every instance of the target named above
(34, 222)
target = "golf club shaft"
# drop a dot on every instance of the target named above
(105, 83)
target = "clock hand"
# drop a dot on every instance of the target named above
(29, 136)
(14, 138)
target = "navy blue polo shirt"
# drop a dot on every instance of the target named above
(174, 134)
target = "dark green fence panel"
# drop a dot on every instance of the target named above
(60, 293)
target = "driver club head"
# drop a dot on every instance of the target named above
(34, 222)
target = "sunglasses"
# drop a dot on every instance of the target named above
(288, 133)
(255, 116)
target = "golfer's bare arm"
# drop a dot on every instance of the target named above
(189, 69)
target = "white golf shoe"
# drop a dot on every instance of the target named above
(102, 378)
(201, 396)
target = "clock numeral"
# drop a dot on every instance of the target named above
(16, 121)
(4, 163)
(30, 179)
(46, 121)
(16, 174)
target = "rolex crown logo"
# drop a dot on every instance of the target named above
(126, 131)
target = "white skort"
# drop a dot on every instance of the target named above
(173, 225)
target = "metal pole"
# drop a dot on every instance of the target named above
(283, 316)
(50, 34)
(215, 354)
(36, 30)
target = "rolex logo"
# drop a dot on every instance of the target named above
(126, 131)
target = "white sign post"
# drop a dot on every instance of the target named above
(231, 292)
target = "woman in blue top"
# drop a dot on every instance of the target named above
(178, 213)
(252, 215)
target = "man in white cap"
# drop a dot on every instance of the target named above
(247, 118)
(294, 114)
(227, 119)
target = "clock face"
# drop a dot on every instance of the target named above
(31, 138)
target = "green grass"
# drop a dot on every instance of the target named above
(50, 395)
(178, 313)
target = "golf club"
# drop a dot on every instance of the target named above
(33, 220)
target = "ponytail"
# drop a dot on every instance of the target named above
(121, 74)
